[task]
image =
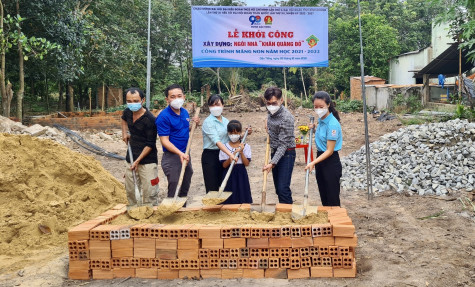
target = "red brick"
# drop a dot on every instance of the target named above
(144, 247)
(80, 274)
(146, 273)
(281, 207)
(79, 265)
(347, 241)
(342, 230)
(187, 253)
(166, 254)
(345, 273)
(99, 249)
(258, 242)
(298, 273)
(122, 248)
(320, 272)
(234, 243)
(123, 273)
(212, 243)
(166, 244)
(167, 274)
(323, 241)
(231, 273)
(189, 274)
(276, 273)
(209, 232)
(280, 242)
(231, 207)
(245, 206)
(188, 243)
(302, 242)
(102, 274)
(211, 273)
(253, 273)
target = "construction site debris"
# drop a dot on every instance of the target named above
(428, 159)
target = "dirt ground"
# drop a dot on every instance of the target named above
(399, 244)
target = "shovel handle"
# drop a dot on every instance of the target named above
(307, 174)
(131, 157)
(236, 154)
(264, 185)
(187, 152)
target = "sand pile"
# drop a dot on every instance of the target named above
(231, 218)
(43, 183)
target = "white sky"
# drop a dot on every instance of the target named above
(259, 3)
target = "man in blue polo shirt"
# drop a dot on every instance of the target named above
(173, 126)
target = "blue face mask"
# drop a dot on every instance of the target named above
(134, 106)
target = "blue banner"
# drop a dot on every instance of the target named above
(240, 36)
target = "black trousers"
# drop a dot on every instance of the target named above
(212, 169)
(328, 174)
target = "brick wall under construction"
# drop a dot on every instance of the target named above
(100, 250)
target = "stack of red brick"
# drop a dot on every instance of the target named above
(103, 251)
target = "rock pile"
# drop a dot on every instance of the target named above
(435, 158)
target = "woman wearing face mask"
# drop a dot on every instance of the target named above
(215, 135)
(328, 139)
(238, 182)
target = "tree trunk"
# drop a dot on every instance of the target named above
(303, 83)
(3, 89)
(47, 94)
(315, 77)
(70, 104)
(60, 99)
(188, 68)
(21, 91)
(103, 103)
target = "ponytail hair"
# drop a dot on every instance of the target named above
(322, 95)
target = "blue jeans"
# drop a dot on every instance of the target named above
(282, 175)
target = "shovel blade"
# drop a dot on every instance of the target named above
(215, 197)
(270, 208)
(169, 205)
(298, 212)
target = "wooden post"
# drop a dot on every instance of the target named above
(90, 101)
(460, 74)
(103, 96)
(425, 90)
(285, 88)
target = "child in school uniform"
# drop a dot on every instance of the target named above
(238, 181)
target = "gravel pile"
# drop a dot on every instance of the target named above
(428, 159)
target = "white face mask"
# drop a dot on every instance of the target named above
(234, 138)
(177, 103)
(321, 112)
(273, 109)
(216, 111)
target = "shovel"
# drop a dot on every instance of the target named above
(139, 212)
(217, 197)
(299, 211)
(170, 205)
(263, 207)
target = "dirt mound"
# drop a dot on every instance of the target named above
(43, 183)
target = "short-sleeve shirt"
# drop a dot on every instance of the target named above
(328, 129)
(176, 127)
(214, 131)
(247, 153)
(142, 134)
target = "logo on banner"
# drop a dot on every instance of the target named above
(255, 19)
(312, 41)
(268, 20)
